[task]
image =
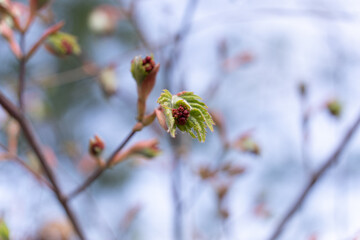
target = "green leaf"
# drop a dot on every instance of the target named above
(198, 120)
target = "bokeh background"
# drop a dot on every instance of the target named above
(248, 60)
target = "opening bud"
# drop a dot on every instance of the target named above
(96, 146)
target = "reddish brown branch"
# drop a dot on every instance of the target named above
(314, 179)
(35, 145)
(99, 171)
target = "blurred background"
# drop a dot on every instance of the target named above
(280, 77)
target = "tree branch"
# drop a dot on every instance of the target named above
(22, 71)
(314, 179)
(18, 160)
(100, 170)
(35, 145)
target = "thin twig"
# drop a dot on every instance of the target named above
(22, 163)
(35, 145)
(314, 179)
(100, 170)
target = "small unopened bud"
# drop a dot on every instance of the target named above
(108, 81)
(96, 146)
(62, 44)
(302, 89)
(222, 190)
(103, 19)
(140, 67)
(246, 144)
(334, 107)
(224, 213)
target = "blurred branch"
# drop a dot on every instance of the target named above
(176, 50)
(314, 179)
(18, 160)
(100, 170)
(22, 72)
(35, 145)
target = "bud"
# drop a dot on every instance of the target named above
(246, 144)
(62, 44)
(302, 89)
(145, 149)
(4, 231)
(96, 146)
(103, 19)
(224, 213)
(144, 71)
(205, 172)
(222, 189)
(233, 170)
(107, 80)
(140, 68)
(334, 107)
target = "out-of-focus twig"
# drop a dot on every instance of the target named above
(18, 160)
(17, 114)
(314, 179)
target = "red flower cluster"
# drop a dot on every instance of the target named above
(181, 115)
(149, 64)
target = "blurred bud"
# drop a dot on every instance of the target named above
(261, 210)
(302, 87)
(36, 106)
(237, 61)
(222, 189)
(96, 146)
(62, 44)
(233, 170)
(145, 149)
(246, 144)
(56, 230)
(144, 72)
(334, 107)
(4, 231)
(107, 80)
(224, 213)
(205, 172)
(129, 217)
(103, 19)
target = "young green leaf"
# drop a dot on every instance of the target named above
(186, 112)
